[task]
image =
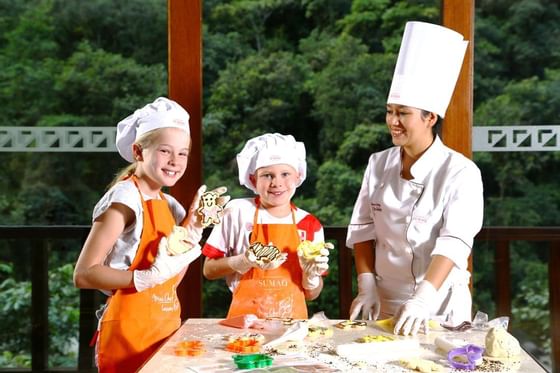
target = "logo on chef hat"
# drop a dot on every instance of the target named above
(428, 65)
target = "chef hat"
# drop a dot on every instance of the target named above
(161, 113)
(267, 150)
(429, 62)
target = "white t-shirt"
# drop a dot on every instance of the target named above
(231, 236)
(123, 252)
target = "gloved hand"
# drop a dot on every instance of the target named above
(221, 200)
(415, 312)
(164, 266)
(313, 267)
(244, 262)
(367, 301)
(192, 223)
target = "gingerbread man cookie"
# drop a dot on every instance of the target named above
(209, 209)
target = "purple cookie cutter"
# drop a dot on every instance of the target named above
(473, 354)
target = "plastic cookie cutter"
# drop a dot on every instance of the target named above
(189, 348)
(470, 353)
(252, 361)
(245, 345)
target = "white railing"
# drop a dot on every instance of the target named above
(102, 139)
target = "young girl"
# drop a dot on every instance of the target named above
(129, 251)
(272, 166)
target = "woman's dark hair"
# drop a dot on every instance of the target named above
(436, 129)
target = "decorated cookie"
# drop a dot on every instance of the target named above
(266, 254)
(315, 331)
(283, 320)
(209, 209)
(311, 250)
(246, 336)
(351, 325)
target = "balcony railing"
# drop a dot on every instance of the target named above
(90, 299)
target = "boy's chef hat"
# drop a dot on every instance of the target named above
(429, 62)
(267, 150)
(161, 113)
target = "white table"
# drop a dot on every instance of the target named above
(311, 355)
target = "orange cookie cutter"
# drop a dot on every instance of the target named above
(244, 346)
(189, 348)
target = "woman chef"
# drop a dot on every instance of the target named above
(421, 203)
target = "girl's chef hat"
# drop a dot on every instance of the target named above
(267, 150)
(161, 113)
(429, 62)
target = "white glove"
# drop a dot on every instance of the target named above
(164, 266)
(367, 301)
(415, 312)
(192, 223)
(313, 268)
(244, 262)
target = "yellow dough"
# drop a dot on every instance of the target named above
(176, 243)
(388, 325)
(313, 249)
(421, 365)
(375, 338)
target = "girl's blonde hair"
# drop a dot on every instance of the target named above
(144, 141)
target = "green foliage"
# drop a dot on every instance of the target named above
(15, 314)
(64, 317)
(15, 336)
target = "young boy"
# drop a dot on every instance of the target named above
(272, 166)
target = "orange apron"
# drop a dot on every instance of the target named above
(277, 292)
(135, 323)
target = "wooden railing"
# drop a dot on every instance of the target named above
(90, 299)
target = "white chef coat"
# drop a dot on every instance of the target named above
(438, 212)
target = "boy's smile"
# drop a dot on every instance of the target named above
(276, 185)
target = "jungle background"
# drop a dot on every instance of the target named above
(317, 69)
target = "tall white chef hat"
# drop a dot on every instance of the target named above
(267, 150)
(429, 62)
(161, 113)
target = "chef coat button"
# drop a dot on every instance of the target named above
(381, 185)
(407, 219)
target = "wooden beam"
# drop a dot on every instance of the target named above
(554, 299)
(185, 87)
(458, 15)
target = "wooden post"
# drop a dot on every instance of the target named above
(458, 15)
(185, 87)
(554, 299)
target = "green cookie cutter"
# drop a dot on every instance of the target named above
(252, 361)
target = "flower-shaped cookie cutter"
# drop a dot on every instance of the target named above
(471, 353)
